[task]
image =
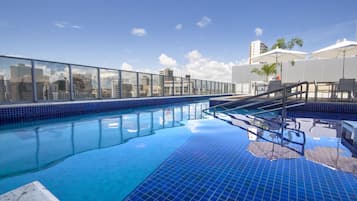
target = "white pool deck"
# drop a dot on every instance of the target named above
(34, 191)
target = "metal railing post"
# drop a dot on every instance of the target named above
(119, 84)
(99, 93)
(301, 91)
(151, 85)
(307, 92)
(316, 90)
(201, 87)
(189, 86)
(283, 115)
(181, 86)
(71, 85)
(33, 79)
(173, 86)
(137, 85)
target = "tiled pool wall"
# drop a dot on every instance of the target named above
(40, 111)
(326, 110)
(320, 109)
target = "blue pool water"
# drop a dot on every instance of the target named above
(176, 153)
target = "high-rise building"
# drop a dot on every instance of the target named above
(115, 90)
(257, 47)
(167, 72)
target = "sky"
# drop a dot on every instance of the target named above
(201, 38)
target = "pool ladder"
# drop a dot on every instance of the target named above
(265, 111)
(272, 101)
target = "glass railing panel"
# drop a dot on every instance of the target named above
(85, 82)
(177, 86)
(193, 87)
(52, 81)
(199, 87)
(214, 88)
(15, 80)
(186, 86)
(157, 85)
(129, 84)
(168, 86)
(225, 88)
(209, 87)
(219, 88)
(109, 83)
(204, 87)
(144, 84)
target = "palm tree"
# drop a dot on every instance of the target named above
(281, 43)
(266, 70)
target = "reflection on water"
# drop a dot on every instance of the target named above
(325, 142)
(272, 138)
(37, 147)
(329, 145)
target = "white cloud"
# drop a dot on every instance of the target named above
(204, 22)
(76, 27)
(196, 65)
(138, 31)
(193, 55)
(129, 67)
(167, 61)
(258, 31)
(60, 25)
(126, 66)
(63, 24)
(178, 26)
(201, 67)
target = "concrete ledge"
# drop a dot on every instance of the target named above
(34, 191)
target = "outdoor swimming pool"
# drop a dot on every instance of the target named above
(176, 153)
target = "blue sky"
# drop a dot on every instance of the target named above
(100, 32)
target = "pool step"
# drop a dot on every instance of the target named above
(33, 191)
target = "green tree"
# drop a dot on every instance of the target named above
(266, 70)
(280, 43)
(283, 44)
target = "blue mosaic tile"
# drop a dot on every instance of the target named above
(217, 166)
(41, 111)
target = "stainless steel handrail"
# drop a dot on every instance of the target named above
(283, 90)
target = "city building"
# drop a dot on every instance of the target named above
(167, 72)
(257, 47)
(115, 91)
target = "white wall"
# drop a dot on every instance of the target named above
(326, 70)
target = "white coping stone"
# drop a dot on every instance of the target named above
(33, 191)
